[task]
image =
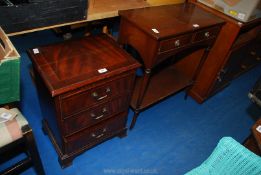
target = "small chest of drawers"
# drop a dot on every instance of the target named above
(84, 89)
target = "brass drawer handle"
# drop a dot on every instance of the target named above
(207, 34)
(177, 43)
(253, 53)
(100, 135)
(243, 66)
(104, 110)
(99, 117)
(103, 97)
(95, 95)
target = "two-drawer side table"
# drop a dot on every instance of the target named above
(158, 34)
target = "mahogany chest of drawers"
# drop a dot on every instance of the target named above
(84, 89)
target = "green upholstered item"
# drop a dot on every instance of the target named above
(9, 80)
(9, 71)
(229, 158)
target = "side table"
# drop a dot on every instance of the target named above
(160, 34)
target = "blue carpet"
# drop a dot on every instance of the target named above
(170, 138)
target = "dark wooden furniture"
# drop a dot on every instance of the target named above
(20, 15)
(160, 34)
(256, 134)
(236, 50)
(253, 142)
(84, 87)
(26, 143)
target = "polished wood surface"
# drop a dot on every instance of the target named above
(170, 20)
(165, 33)
(83, 107)
(229, 57)
(96, 134)
(160, 86)
(71, 64)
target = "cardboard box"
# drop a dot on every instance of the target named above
(9, 71)
(242, 10)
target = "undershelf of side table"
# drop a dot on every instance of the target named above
(162, 85)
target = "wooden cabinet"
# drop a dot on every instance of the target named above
(236, 50)
(84, 88)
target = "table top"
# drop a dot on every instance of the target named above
(75, 63)
(170, 20)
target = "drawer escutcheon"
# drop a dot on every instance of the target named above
(177, 43)
(207, 34)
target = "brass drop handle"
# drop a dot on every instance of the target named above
(103, 97)
(100, 135)
(95, 95)
(243, 66)
(97, 118)
(207, 34)
(104, 110)
(253, 53)
(177, 43)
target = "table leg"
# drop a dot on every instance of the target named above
(201, 62)
(142, 91)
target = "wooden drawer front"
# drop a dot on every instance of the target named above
(250, 55)
(95, 115)
(251, 59)
(206, 34)
(96, 134)
(175, 43)
(83, 99)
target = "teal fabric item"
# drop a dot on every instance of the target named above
(229, 158)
